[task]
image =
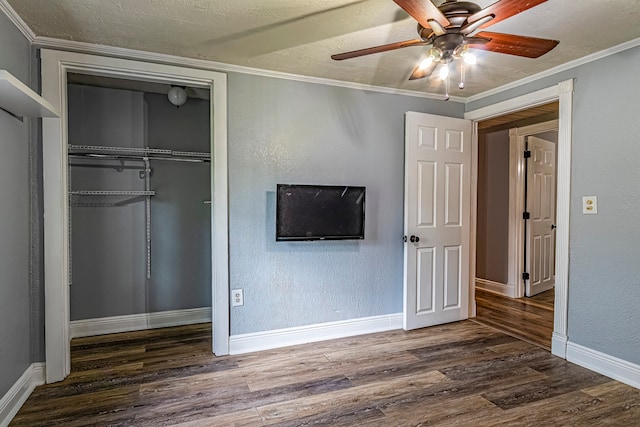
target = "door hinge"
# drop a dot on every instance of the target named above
(525, 276)
(526, 215)
(527, 154)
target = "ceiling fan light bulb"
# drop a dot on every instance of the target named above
(470, 58)
(424, 64)
(444, 72)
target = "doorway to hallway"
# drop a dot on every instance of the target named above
(514, 255)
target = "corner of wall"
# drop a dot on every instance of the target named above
(17, 21)
(13, 400)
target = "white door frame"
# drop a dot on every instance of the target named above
(562, 92)
(55, 66)
(515, 284)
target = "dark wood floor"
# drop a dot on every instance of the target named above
(457, 374)
(530, 319)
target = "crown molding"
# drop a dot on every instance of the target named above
(551, 71)
(161, 58)
(125, 53)
(17, 21)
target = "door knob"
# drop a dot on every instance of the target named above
(414, 239)
(553, 226)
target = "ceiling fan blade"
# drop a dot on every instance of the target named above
(378, 49)
(503, 9)
(423, 11)
(421, 72)
(529, 47)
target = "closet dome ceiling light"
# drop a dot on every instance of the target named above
(177, 95)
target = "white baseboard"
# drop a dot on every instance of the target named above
(246, 343)
(604, 364)
(508, 290)
(559, 345)
(13, 400)
(138, 322)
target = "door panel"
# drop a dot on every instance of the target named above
(427, 193)
(541, 201)
(425, 271)
(437, 211)
(452, 279)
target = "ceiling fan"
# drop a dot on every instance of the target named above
(453, 27)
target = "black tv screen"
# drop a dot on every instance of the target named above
(319, 212)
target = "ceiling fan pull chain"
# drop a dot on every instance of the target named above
(446, 85)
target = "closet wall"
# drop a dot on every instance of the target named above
(108, 234)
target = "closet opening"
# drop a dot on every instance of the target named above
(139, 187)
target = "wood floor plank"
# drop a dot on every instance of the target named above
(423, 413)
(462, 373)
(345, 399)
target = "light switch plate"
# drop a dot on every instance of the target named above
(589, 205)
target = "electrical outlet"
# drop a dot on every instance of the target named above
(237, 297)
(589, 205)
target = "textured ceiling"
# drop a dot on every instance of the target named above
(298, 36)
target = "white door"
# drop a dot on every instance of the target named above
(541, 205)
(436, 219)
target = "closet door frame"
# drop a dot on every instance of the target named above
(55, 66)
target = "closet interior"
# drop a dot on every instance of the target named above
(139, 182)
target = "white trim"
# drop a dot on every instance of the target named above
(563, 207)
(17, 21)
(602, 363)
(499, 288)
(161, 58)
(55, 65)
(13, 399)
(563, 92)
(473, 219)
(559, 342)
(558, 69)
(246, 343)
(533, 99)
(138, 322)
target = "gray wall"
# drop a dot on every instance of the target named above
(493, 206)
(292, 132)
(15, 307)
(181, 222)
(604, 284)
(108, 243)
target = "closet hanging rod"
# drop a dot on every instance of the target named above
(136, 158)
(111, 193)
(155, 153)
(118, 166)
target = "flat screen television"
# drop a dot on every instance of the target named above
(319, 212)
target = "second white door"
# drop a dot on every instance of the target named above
(541, 205)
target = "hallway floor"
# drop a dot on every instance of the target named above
(530, 319)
